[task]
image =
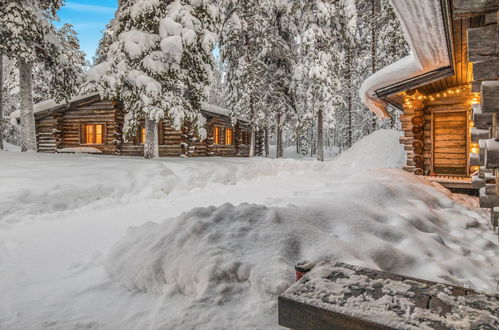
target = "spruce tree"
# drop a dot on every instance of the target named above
(159, 64)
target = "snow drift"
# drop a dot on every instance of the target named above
(231, 262)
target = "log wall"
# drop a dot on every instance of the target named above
(62, 128)
(437, 136)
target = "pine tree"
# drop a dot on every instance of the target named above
(279, 64)
(316, 76)
(30, 37)
(244, 50)
(159, 64)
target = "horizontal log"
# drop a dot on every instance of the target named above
(488, 201)
(492, 154)
(482, 44)
(490, 96)
(490, 189)
(483, 120)
(491, 18)
(466, 8)
(479, 134)
(474, 160)
(488, 70)
(409, 169)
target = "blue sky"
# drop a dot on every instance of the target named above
(89, 18)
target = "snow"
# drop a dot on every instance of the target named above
(428, 50)
(84, 242)
(79, 150)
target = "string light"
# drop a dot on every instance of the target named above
(409, 101)
(475, 148)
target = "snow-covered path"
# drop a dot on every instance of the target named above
(61, 215)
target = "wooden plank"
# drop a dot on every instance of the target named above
(449, 137)
(454, 131)
(452, 150)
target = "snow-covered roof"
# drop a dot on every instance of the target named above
(51, 104)
(425, 30)
(214, 109)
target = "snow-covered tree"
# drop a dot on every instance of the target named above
(316, 74)
(243, 50)
(29, 37)
(159, 64)
(279, 40)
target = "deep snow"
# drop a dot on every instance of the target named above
(69, 261)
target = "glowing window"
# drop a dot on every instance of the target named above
(93, 133)
(216, 135)
(142, 135)
(228, 136)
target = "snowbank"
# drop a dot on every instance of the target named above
(214, 267)
(381, 149)
(231, 262)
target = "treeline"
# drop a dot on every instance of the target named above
(293, 68)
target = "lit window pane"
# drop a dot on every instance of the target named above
(98, 134)
(90, 138)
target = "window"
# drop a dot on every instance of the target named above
(93, 133)
(216, 135)
(142, 139)
(228, 136)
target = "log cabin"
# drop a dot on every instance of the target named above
(440, 90)
(88, 124)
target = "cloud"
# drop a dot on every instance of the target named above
(89, 8)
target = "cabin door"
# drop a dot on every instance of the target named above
(450, 143)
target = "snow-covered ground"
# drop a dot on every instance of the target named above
(215, 239)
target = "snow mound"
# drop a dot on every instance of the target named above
(230, 263)
(380, 149)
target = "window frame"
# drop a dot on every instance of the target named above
(83, 133)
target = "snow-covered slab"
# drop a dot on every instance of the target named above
(342, 295)
(79, 150)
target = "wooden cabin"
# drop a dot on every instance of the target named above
(91, 125)
(441, 130)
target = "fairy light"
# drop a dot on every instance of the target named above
(475, 148)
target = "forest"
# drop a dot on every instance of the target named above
(292, 69)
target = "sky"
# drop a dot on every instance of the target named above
(89, 18)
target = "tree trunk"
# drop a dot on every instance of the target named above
(320, 136)
(349, 98)
(151, 147)
(28, 131)
(373, 48)
(1, 102)
(279, 147)
(252, 141)
(267, 146)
